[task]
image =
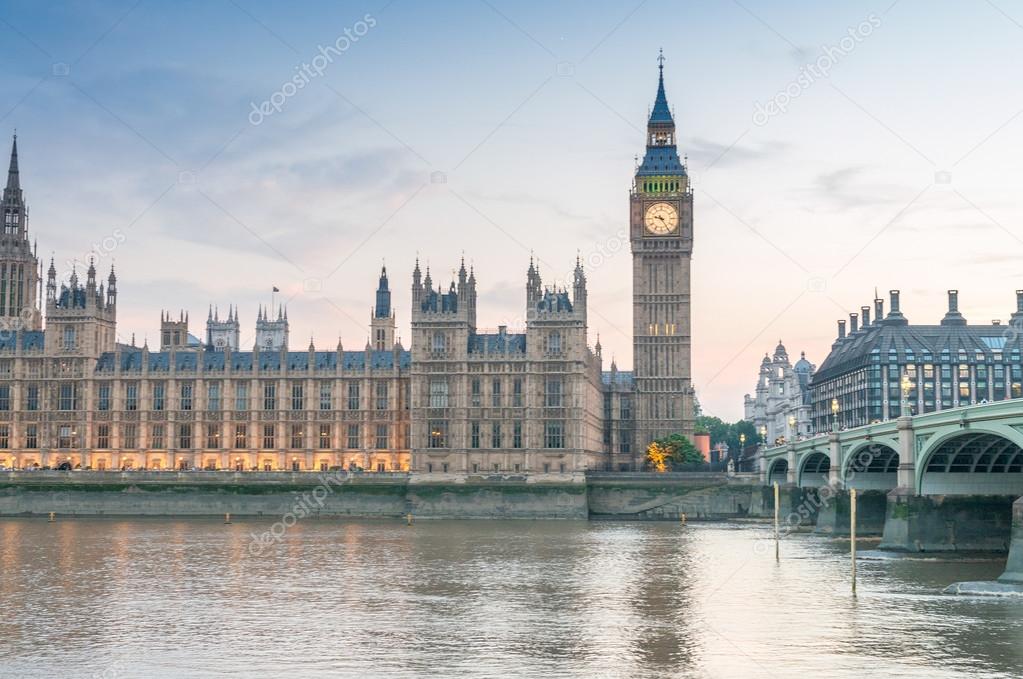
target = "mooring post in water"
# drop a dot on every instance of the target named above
(682, 518)
(227, 517)
(408, 518)
(53, 516)
(852, 535)
(777, 514)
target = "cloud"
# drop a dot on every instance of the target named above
(707, 152)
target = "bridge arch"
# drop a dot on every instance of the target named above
(972, 461)
(778, 471)
(814, 468)
(872, 465)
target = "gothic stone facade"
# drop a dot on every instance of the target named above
(780, 409)
(661, 234)
(459, 401)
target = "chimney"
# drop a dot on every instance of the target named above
(1017, 316)
(953, 317)
(853, 323)
(841, 330)
(895, 316)
(878, 310)
(865, 315)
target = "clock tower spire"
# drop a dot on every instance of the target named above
(661, 236)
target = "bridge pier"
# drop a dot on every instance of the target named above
(798, 507)
(834, 515)
(946, 523)
(1014, 565)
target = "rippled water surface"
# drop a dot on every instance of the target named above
(187, 598)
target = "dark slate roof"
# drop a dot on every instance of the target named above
(923, 343)
(186, 360)
(622, 378)
(27, 339)
(554, 301)
(661, 113)
(436, 301)
(660, 160)
(497, 343)
(241, 361)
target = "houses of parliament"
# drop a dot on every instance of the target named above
(458, 401)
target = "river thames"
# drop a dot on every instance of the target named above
(196, 598)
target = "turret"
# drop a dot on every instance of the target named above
(111, 288)
(382, 315)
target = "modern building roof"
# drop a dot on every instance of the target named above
(917, 343)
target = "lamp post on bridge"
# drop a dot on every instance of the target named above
(907, 384)
(834, 414)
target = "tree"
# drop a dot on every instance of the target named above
(682, 453)
(657, 457)
(675, 453)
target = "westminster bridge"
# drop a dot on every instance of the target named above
(950, 480)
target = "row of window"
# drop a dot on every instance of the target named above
(68, 397)
(553, 393)
(184, 436)
(437, 434)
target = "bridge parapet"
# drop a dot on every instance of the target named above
(899, 449)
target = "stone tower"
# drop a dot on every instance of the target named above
(271, 334)
(81, 320)
(19, 265)
(382, 319)
(173, 334)
(224, 334)
(661, 235)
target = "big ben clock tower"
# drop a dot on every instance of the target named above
(661, 234)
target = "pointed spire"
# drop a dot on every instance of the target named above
(13, 179)
(660, 113)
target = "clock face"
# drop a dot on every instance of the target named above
(661, 219)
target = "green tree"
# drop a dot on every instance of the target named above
(682, 454)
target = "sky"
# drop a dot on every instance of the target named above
(834, 148)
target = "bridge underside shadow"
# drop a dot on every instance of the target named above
(967, 486)
(872, 472)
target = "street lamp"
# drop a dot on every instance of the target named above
(907, 384)
(834, 414)
(792, 427)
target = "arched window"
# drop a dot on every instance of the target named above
(440, 342)
(554, 343)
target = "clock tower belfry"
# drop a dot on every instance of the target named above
(661, 235)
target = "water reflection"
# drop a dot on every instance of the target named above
(187, 598)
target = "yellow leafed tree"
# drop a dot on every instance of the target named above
(657, 457)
